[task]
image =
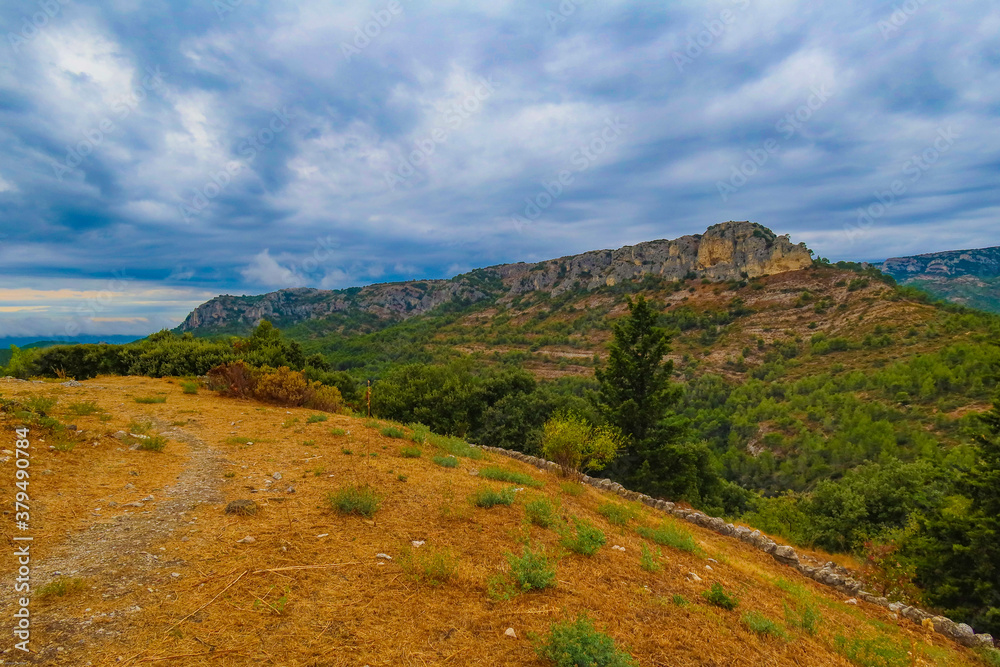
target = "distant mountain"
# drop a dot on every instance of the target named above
(968, 277)
(730, 250)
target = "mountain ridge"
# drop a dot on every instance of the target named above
(970, 277)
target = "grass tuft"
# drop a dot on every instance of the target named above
(434, 566)
(762, 625)
(355, 500)
(650, 559)
(83, 408)
(584, 538)
(669, 534)
(392, 432)
(316, 418)
(337, 431)
(410, 452)
(61, 587)
(718, 596)
(189, 387)
(807, 617)
(616, 513)
(489, 497)
(504, 475)
(446, 461)
(150, 399)
(573, 643)
(533, 570)
(154, 443)
(878, 651)
(541, 512)
(574, 489)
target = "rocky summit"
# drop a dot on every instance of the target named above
(730, 250)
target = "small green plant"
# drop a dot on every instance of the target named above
(189, 387)
(420, 433)
(150, 399)
(401, 478)
(879, 651)
(229, 475)
(374, 455)
(153, 443)
(140, 427)
(278, 606)
(410, 452)
(669, 534)
(575, 643)
(455, 446)
(64, 445)
(718, 596)
(807, 617)
(393, 432)
(533, 570)
(762, 625)
(574, 489)
(489, 497)
(355, 500)
(435, 566)
(446, 461)
(584, 538)
(42, 404)
(504, 475)
(83, 408)
(616, 513)
(990, 656)
(61, 587)
(541, 512)
(346, 451)
(308, 443)
(679, 600)
(105, 417)
(337, 431)
(650, 559)
(316, 418)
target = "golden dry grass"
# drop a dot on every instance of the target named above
(309, 590)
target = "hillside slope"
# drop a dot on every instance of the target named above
(968, 277)
(158, 573)
(724, 251)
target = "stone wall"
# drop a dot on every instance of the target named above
(829, 574)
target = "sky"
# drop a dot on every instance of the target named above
(156, 153)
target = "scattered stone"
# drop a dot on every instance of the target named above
(708, 567)
(147, 499)
(383, 556)
(242, 507)
(290, 489)
(175, 574)
(691, 576)
(246, 540)
(510, 633)
(618, 548)
(276, 475)
(851, 601)
(417, 543)
(133, 504)
(322, 535)
(785, 555)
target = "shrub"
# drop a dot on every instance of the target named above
(879, 651)
(435, 566)
(575, 643)
(455, 446)
(585, 538)
(574, 489)
(189, 387)
(61, 587)
(807, 618)
(671, 535)
(762, 625)
(346, 451)
(446, 461)
(541, 512)
(531, 571)
(316, 418)
(718, 596)
(411, 452)
(337, 431)
(355, 500)
(83, 408)
(64, 445)
(679, 600)
(573, 443)
(617, 513)
(990, 656)
(650, 560)
(393, 432)
(150, 399)
(504, 475)
(153, 443)
(42, 404)
(488, 497)
(274, 385)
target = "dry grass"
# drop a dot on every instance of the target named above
(309, 590)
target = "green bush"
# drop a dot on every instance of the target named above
(392, 432)
(616, 513)
(584, 538)
(578, 643)
(446, 461)
(532, 570)
(151, 399)
(83, 408)
(718, 596)
(316, 418)
(650, 560)
(435, 566)
(541, 512)
(488, 497)
(455, 446)
(337, 432)
(679, 600)
(410, 452)
(189, 387)
(671, 535)
(762, 625)
(41, 404)
(61, 587)
(574, 489)
(355, 500)
(807, 618)
(878, 651)
(990, 656)
(504, 475)
(153, 443)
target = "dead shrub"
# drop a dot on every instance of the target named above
(274, 385)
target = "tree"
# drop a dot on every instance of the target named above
(958, 550)
(635, 396)
(575, 444)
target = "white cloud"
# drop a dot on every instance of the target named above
(266, 271)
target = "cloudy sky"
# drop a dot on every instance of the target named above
(154, 153)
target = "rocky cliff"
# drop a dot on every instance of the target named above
(727, 250)
(968, 277)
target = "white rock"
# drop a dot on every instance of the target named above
(693, 577)
(276, 475)
(618, 548)
(383, 556)
(246, 540)
(851, 601)
(510, 633)
(417, 543)
(322, 535)
(708, 567)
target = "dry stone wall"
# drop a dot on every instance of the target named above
(829, 574)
